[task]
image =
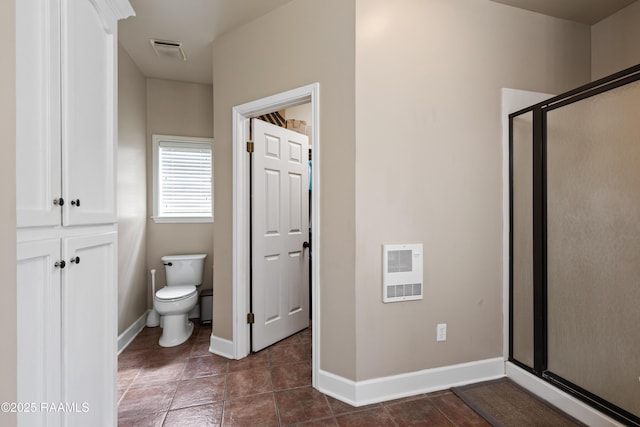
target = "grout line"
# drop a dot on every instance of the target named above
(224, 396)
(435, 405)
(326, 399)
(275, 403)
(386, 411)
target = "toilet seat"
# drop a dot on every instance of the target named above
(175, 293)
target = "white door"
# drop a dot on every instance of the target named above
(280, 232)
(89, 317)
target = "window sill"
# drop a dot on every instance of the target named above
(182, 220)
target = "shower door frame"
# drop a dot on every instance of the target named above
(539, 193)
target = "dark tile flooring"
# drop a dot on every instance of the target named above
(188, 386)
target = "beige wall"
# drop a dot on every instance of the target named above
(244, 70)
(8, 363)
(133, 292)
(183, 109)
(429, 162)
(614, 42)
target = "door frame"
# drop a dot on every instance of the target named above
(242, 216)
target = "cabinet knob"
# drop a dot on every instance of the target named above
(58, 202)
(75, 260)
(75, 202)
(60, 264)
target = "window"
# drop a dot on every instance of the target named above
(182, 179)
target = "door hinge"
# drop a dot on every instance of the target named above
(249, 146)
(250, 318)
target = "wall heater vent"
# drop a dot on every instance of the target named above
(401, 272)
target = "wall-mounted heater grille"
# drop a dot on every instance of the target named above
(401, 272)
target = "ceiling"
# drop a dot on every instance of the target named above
(584, 11)
(196, 23)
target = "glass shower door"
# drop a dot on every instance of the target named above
(593, 245)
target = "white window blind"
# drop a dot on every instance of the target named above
(183, 179)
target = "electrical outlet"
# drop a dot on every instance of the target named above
(441, 332)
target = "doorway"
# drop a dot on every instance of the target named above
(241, 213)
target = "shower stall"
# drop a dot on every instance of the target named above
(574, 302)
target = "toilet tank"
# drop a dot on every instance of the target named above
(184, 269)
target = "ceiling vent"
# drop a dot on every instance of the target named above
(168, 49)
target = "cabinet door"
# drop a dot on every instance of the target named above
(37, 112)
(38, 298)
(88, 113)
(89, 316)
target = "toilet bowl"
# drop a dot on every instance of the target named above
(174, 301)
(173, 304)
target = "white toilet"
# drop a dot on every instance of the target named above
(174, 301)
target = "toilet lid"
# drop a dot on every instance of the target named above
(175, 292)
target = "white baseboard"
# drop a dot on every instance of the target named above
(221, 347)
(337, 386)
(131, 332)
(393, 387)
(558, 398)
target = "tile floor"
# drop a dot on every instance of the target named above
(188, 386)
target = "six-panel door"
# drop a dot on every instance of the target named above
(280, 218)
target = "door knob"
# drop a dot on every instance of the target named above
(75, 203)
(75, 260)
(60, 264)
(306, 245)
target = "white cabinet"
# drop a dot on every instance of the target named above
(66, 145)
(66, 112)
(38, 155)
(88, 114)
(39, 332)
(67, 330)
(89, 328)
